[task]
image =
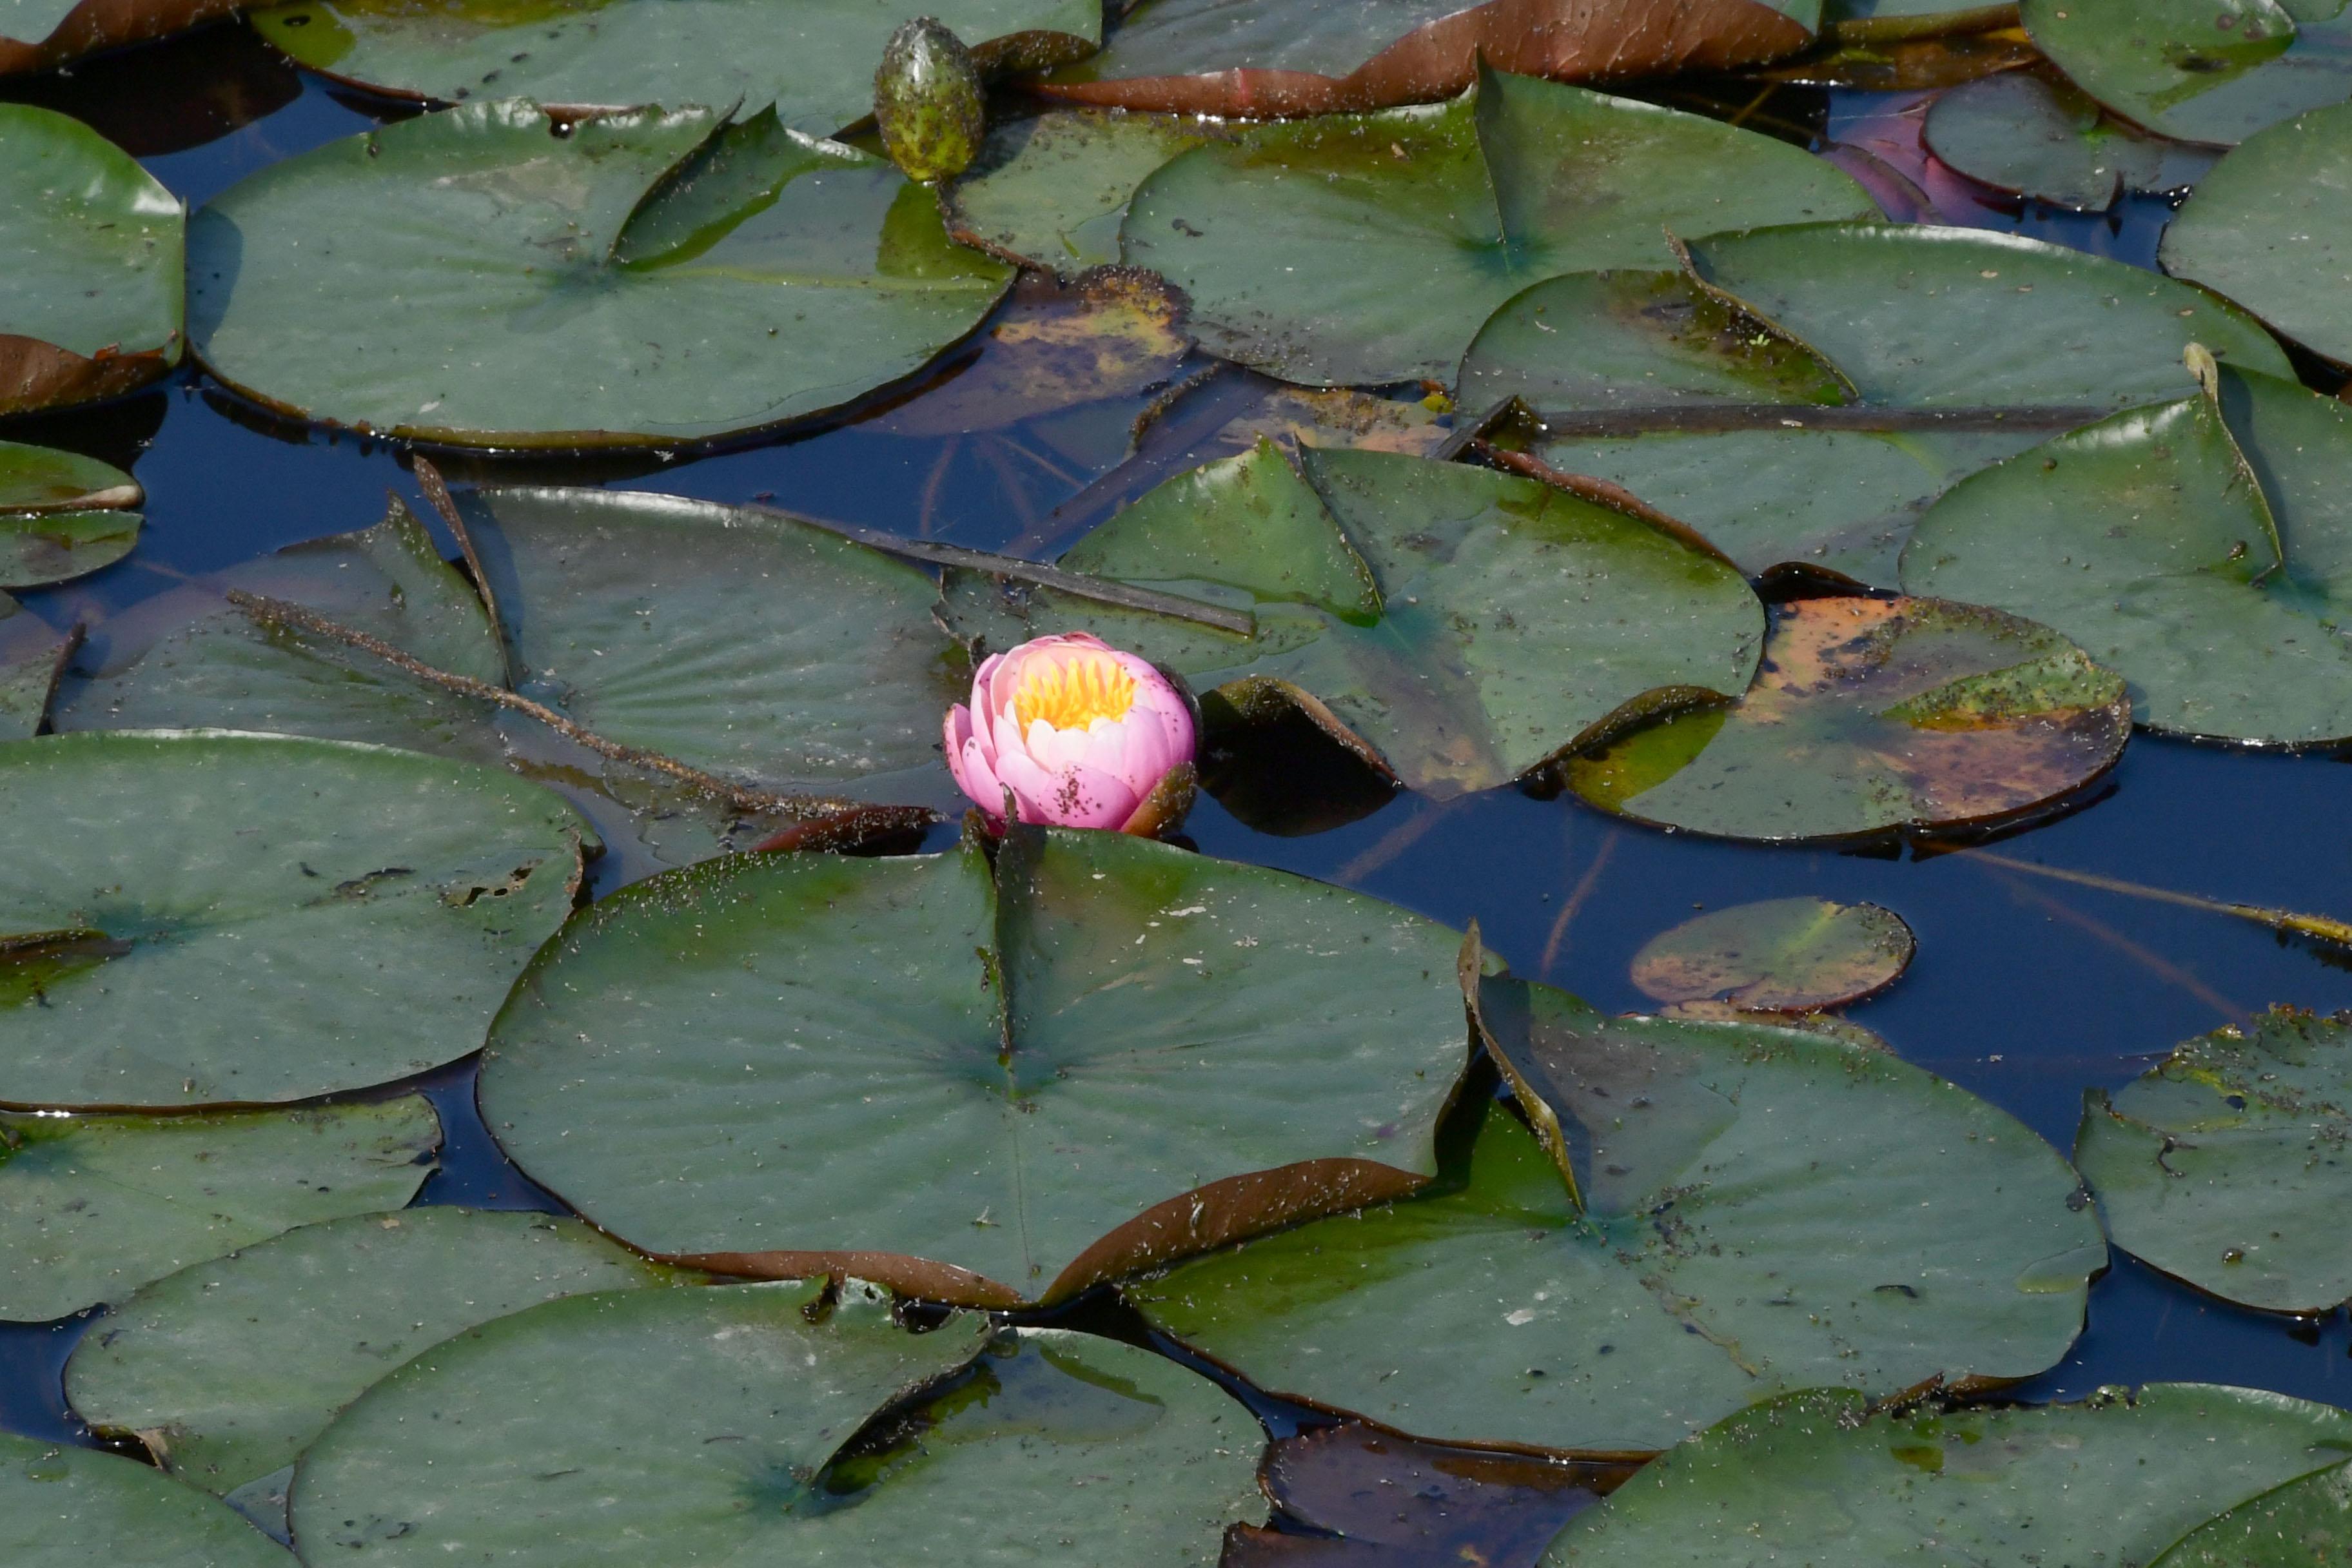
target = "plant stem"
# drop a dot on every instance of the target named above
(2319, 927)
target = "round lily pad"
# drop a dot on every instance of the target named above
(2021, 133)
(2304, 1522)
(493, 274)
(195, 919)
(1301, 56)
(2199, 71)
(64, 1507)
(1457, 626)
(2202, 548)
(1794, 955)
(1872, 716)
(715, 1422)
(1052, 190)
(1368, 248)
(812, 60)
(2225, 1164)
(89, 302)
(94, 1207)
(1753, 1209)
(2271, 228)
(929, 1076)
(62, 515)
(227, 1370)
(1801, 394)
(2116, 1479)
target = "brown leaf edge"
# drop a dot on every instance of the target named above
(96, 25)
(1567, 40)
(35, 374)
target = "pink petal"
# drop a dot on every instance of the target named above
(976, 778)
(1072, 797)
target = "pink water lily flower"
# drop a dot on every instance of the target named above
(1082, 734)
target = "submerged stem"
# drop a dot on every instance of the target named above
(2320, 928)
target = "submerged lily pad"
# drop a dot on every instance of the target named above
(93, 1207)
(89, 302)
(62, 515)
(206, 918)
(2115, 1478)
(2225, 1164)
(812, 60)
(2201, 70)
(227, 1370)
(929, 1077)
(1794, 955)
(1459, 626)
(1310, 57)
(65, 1507)
(1801, 394)
(2304, 1522)
(2019, 133)
(1368, 248)
(1872, 715)
(714, 1421)
(2202, 547)
(1761, 1209)
(2271, 228)
(494, 276)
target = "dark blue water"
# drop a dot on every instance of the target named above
(2026, 990)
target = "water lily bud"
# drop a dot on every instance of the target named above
(928, 102)
(1079, 734)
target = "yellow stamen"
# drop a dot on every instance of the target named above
(1073, 694)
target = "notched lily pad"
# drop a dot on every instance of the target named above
(1052, 190)
(1366, 249)
(62, 515)
(1752, 1209)
(2226, 1164)
(641, 278)
(93, 1207)
(2018, 131)
(260, 919)
(1455, 627)
(2271, 228)
(2307, 1521)
(227, 1369)
(63, 1506)
(91, 300)
(1793, 955)
(2118, 1477)
(926, 1074)
(755, 1423)
(2202, 547)
(1870, 716)
(1305, 57)
(2215, 71)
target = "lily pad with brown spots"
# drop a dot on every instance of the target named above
(1793, 955)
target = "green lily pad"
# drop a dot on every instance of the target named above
(1801, 394)
(1761, 1209)
(897, 1118)
(1457, 626)
(227, 1370)
(206, 918)
(1213, 56)
(1051, 191)
(764, 649)
(488, 277)
(2019, 133)
(64, 1507)
(2201, 547)
(813, 61)
(93, 1207)
(89, 303)
(2213, 72)
(715, 1421)
(2225, 1164)
(2304, 1522)
(1795, 955)
(62, 515)
(1872, 716)
(1368, 248)
(2272, 228)
(32, 658)
(2115, 1478)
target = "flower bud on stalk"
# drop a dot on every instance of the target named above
(928, 102)
(1078, 733)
